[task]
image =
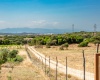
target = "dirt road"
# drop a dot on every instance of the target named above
(61, 68)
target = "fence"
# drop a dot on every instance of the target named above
(47, 65)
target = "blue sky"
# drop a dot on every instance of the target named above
(50, 14)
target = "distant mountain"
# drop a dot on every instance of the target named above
(33, 30)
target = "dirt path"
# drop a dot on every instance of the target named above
(62, 68)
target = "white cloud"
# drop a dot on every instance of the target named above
(55, 23)
(28, 23)
(39, 22)
(44, 23)
(2, 22)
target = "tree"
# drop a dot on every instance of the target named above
(3, 55)
(60, 41)
(1, 42)
(96, 39)
(12, 54)
(6, 42)
(33, 42)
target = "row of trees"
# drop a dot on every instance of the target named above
(15, 40)
(62, 39)
(56, 39)
(81, 38)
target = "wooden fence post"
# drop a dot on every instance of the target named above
(98, 48)
(42, 63)
(83, 65)
(96, 67)
(66, 68)
(45, 65)
(49, 65)
(56, 67)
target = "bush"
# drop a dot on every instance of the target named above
(47, 45)
(65, 45)
(3, 55)
(12, 54)
(18, 58)
(83, 44)
(61, 48)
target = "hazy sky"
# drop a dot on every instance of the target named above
(50, 14)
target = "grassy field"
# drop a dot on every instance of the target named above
(26, 70)
(23, 71)
(73, 54)
(12, 47)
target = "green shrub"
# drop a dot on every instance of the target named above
(3, 55)
(18, 58)
(12, 54)
(65, 45)
(83, 44)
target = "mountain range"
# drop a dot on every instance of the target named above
(34, 30)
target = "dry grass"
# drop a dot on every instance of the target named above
(27, 73)
(50, 73)
(73, 54)
(23, 71)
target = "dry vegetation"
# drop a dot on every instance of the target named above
(27, 71)
(23, 71)
(50, 73)
(74, 55)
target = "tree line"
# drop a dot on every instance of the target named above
(81, 38)
(65, 39)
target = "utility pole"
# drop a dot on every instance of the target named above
(95, 26)
(73, 28)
